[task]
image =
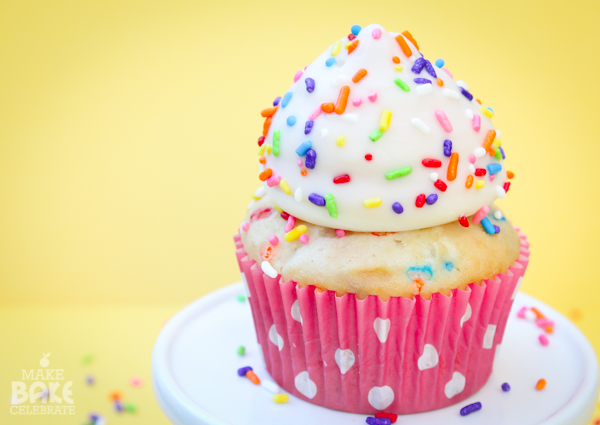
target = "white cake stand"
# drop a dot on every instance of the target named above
(195, 377)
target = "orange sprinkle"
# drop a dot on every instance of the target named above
(469, 182)
(419, 283)
(328, 107)
(439, 82)
(452, 166)
(549, 329)
(541, 384)
(489, 139)
(411, 38)
(262, 160)
(303, 172)
(404, 46)
(115, 395)
(353, 46)
(265, 174)
(396, 59)
(267, 253)
(359, 75)
(252, 377)
(478, 101)
(269, 111)
(510, 174)
(492, 152)
(266, 126)
(538, 313)
(340, 105)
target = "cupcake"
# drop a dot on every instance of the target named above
(379, 272)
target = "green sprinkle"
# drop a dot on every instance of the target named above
(241, 350)
(330, 204)
(87, 359)
(402, 84)
(241, 298)
(400, 172)
(276, 136)
(498, 155)
(375, 135)
(129, 408)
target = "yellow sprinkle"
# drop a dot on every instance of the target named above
(268, 149)
(386, 117)
(295, 233)
(479, 184)
(284, 185)
(340, 141)
(280, 398)
(372, 203)
(261, 150)
(279, 210)
(347, 44)
(496, 143)
(398, 67)
(336, 48)
(256, 198)
(486, 112)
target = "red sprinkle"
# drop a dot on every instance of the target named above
(391, 416)
(432, 163)
(343, 178)
(463, 221)
(351, 36)
(480, 172)
(440, 185)
(368, 157)
(420, 200)
(261, 140)
(506, 186)
(284, 215)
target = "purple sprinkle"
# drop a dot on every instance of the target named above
(118, 406)
(429, 69)
(502, 152)
(466, 93)
(418, 65)
(447, 147)
(311, 159)
(308, 126)
(470, 409)
(94, 417)
(431, 199)
(242, 371)
(497, 229)
(276, 101)
(318, 200)
(310, 85)
(378, 421)
(89, 379)
(422, 81)
(505, 387)
(397, 207)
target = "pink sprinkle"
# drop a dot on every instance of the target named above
(492, 177)
(521, 312)
(480, 214)
(136, 382)
(544, 340)
(273, 180)
(300, 163)
(304, 238)
(476, 122)
(273, 240)
(372, 96)
(472, 159)
(443, 120)
(315, 113)
(298, 75)
(357, 101)
(340, 233)
(542, 323)
(376, 33)
(245, 226)
(448, 72)
(290, 224)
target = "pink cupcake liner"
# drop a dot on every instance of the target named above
(366, 356)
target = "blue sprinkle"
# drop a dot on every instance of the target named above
(355, 29)
(470, 409)
(308, 126)
(291, 120)
(310, 85)
(497, 229)
(303, 148)
(242, 371)
(311, 159)
(494, 168)
(286, 99)
(397, 207)
(419, 271)
(422, 81)
(330, 61)
(488, 226)
(439, 63)
(318, 200)
(429, 69)
(447, 148)
(502, 152)
(505, 387)
(276, 101)
(378, 421)
(418, 65)
(490, 109)
(466, 93)
(431, 199)
(449, 266)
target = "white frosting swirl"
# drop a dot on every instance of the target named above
(422, 118)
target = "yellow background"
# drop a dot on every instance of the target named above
(128, 155)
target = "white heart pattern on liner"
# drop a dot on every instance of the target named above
(275, 337)
(246, 290)
(429, 358)
(456, 385)
(466, 316)
(295, 312)
(382, 328)
(488, 338)
(381, 397)
(345, 359)
(306, 387)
